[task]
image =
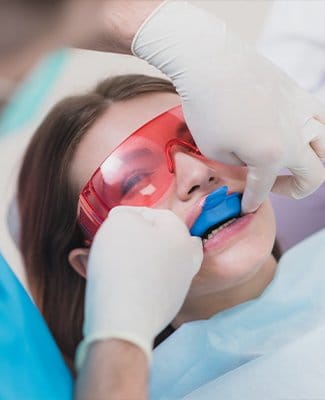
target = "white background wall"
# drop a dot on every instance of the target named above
(82, 70)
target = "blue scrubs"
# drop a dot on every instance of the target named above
(31, 366)
(291, 307)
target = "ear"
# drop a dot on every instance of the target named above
(78, 259)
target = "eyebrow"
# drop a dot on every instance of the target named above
(143, 151)
(137, 153)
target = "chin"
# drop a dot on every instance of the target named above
(233, 266)
(239, 254)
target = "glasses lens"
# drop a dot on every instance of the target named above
(137, 172)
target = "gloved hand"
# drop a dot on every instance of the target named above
(140, 268)
(240, 108)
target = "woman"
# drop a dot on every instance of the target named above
(52, 176)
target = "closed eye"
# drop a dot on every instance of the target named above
(129, 183)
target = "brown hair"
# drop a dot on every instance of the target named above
(48, 205)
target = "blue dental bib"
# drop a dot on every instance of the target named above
(218, 207)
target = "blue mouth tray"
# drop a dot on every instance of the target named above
(218, 207)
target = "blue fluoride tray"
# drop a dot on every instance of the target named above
(218, 207)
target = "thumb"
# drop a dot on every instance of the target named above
(197, 254)
(258, 185)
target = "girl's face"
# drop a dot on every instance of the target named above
(236, 253)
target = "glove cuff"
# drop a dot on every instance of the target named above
(145, 22)
(175, 28)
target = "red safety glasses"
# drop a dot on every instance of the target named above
(138, 172)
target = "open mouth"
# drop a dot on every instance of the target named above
(219, 210)
(214, 229)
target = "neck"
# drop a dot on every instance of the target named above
(205, 306)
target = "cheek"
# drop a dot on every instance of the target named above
(169, 201)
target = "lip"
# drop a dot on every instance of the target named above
(195, 212)
(226, 234)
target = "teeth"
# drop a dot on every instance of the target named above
(218, 229)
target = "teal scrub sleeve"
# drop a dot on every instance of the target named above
(31, 365)
(30, 96)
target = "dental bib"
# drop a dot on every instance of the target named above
(197, 360)
(218, 207)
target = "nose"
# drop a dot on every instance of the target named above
(193, 175)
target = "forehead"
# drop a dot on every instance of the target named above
(115, 125)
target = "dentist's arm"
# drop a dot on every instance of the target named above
(117, 23)
(140, 268)
(113, 369)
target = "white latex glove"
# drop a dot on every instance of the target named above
(240, 108)
(140, 268)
